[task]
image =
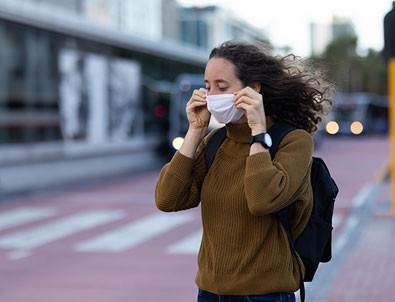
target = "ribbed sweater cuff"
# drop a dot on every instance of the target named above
(181, 166)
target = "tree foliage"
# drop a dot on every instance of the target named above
(351, 72)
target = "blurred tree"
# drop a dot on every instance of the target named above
(343, 62)
(375, 73)
(351, 72)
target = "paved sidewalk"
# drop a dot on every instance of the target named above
(366, 268)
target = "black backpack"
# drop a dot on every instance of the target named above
(314, 245)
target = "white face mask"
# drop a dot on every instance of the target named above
(222, 107)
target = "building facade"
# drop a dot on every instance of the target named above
(79, 99)
(206, 27)
(321, 34)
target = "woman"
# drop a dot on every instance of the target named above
(244, 253)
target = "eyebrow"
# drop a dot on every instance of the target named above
(218, 81)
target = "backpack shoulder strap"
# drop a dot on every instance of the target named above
(212, 146)
(277, 133)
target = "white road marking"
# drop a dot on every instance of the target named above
(343, 238)
(19, 254)
(135, 233)
(23, 215)
(188, 245)
(362, 196)
(336, 220)
(32, 238)
(359, 200)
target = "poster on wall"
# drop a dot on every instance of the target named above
(96, 79)
(99, 97)
(72, 106)
(124, 98)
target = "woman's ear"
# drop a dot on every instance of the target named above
(256, 86)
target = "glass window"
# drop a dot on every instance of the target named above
(56, 87)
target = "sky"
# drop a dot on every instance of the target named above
(287, 21)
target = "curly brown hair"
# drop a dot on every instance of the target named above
(293, 91)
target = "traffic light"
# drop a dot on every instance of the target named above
(389, 34)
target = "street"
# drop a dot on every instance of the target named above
(106, 241)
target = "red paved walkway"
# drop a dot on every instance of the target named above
(368, 270)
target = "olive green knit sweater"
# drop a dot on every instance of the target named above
(244, 249)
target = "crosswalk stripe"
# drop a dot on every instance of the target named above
(29, 239)
(23, 215)
(336, 220)
(135, 233)
(187, 245)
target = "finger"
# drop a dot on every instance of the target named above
(239, 94)
(198, 96)
(247, 91)
(244, 99)
(249, 106)
(245, 106)
(193, 103)
(201, 92)
(198, 101)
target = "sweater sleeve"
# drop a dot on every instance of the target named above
(272, 185)
(180, 181)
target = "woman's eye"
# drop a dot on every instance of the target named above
(222, 88)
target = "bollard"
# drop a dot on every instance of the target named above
(389, 56)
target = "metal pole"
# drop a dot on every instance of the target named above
(391, 86)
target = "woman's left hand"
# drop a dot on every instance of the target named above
(252, 103)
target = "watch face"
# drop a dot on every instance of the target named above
(268, 140)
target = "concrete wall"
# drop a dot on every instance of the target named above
(36, 166)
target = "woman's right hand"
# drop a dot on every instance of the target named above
(197, 112)
(198, 118)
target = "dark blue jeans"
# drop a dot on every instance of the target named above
(205, 296)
